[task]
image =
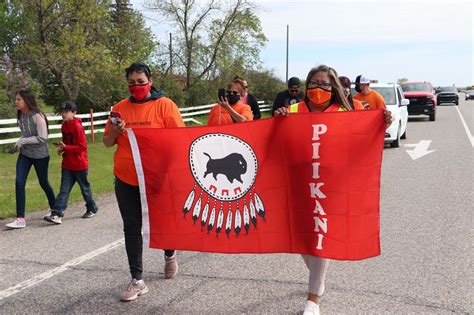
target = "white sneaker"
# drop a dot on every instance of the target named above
(17, 224)
(311, 308)
(47, 215)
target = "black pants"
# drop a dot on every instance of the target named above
(128, 199)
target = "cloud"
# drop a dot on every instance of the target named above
(368, 21)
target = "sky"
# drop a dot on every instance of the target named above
(385, 40)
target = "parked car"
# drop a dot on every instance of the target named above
(448, 94)
(469, 95)
(397, 104)
(422, 97)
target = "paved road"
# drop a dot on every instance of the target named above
(425, 267)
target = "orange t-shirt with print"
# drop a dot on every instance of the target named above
(373, 99)
(220, 116)
(157, 113)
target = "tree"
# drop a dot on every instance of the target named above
(66, 40)
(210, 37)
(128, 40)
(402, 80)
(78, 46)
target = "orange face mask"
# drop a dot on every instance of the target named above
(318, 96)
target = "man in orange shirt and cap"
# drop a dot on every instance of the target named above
(369, 98)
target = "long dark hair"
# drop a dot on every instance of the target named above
(30, 101)
(337, 91)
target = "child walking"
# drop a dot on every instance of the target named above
(73, 149)
(33, 148)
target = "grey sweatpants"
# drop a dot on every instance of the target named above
(317, 273)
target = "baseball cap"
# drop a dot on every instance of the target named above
(364, 79)
(69, 106)
(293, 81)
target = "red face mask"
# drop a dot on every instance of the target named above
(318, 96)
(139, 91)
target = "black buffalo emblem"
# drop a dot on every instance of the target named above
(232, 166)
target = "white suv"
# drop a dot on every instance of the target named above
(397, 104)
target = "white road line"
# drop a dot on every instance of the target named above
(53, 272)
(466, 128)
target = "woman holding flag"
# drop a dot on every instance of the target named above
(145, 108)
(324, 93)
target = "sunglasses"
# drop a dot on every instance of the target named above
(294, 90)
(232, 92)
(246, 87)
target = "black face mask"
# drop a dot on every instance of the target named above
(232, 98)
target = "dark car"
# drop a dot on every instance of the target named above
(470, 95)
(448, 94)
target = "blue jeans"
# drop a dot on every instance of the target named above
(68, 179)
(23, 166)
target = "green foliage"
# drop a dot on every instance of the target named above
(6, 105)
(214, 39)
(172, 89)
(76, 49)
(264, 85)
(401, 80)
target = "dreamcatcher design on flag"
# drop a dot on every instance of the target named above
(224, 168)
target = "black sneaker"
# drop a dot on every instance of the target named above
(88, 215)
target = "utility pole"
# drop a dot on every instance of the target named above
(287, 49)
(171, 54)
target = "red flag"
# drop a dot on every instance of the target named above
(307, 183)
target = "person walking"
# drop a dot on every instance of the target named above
(324, 93)
(75, 165)
(145, 108)
(34, 151)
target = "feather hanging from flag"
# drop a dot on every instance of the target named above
(237, 221)
(228, 224)
(220, 220)
(189, 201)
(246, 218)
(197, 208)
(205, 213)
(212, 218)
(259, 206)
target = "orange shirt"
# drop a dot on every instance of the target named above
(357, 104)
(157, 113)
(373, 99)
(220, 116)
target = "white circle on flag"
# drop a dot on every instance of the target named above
(224, 166)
